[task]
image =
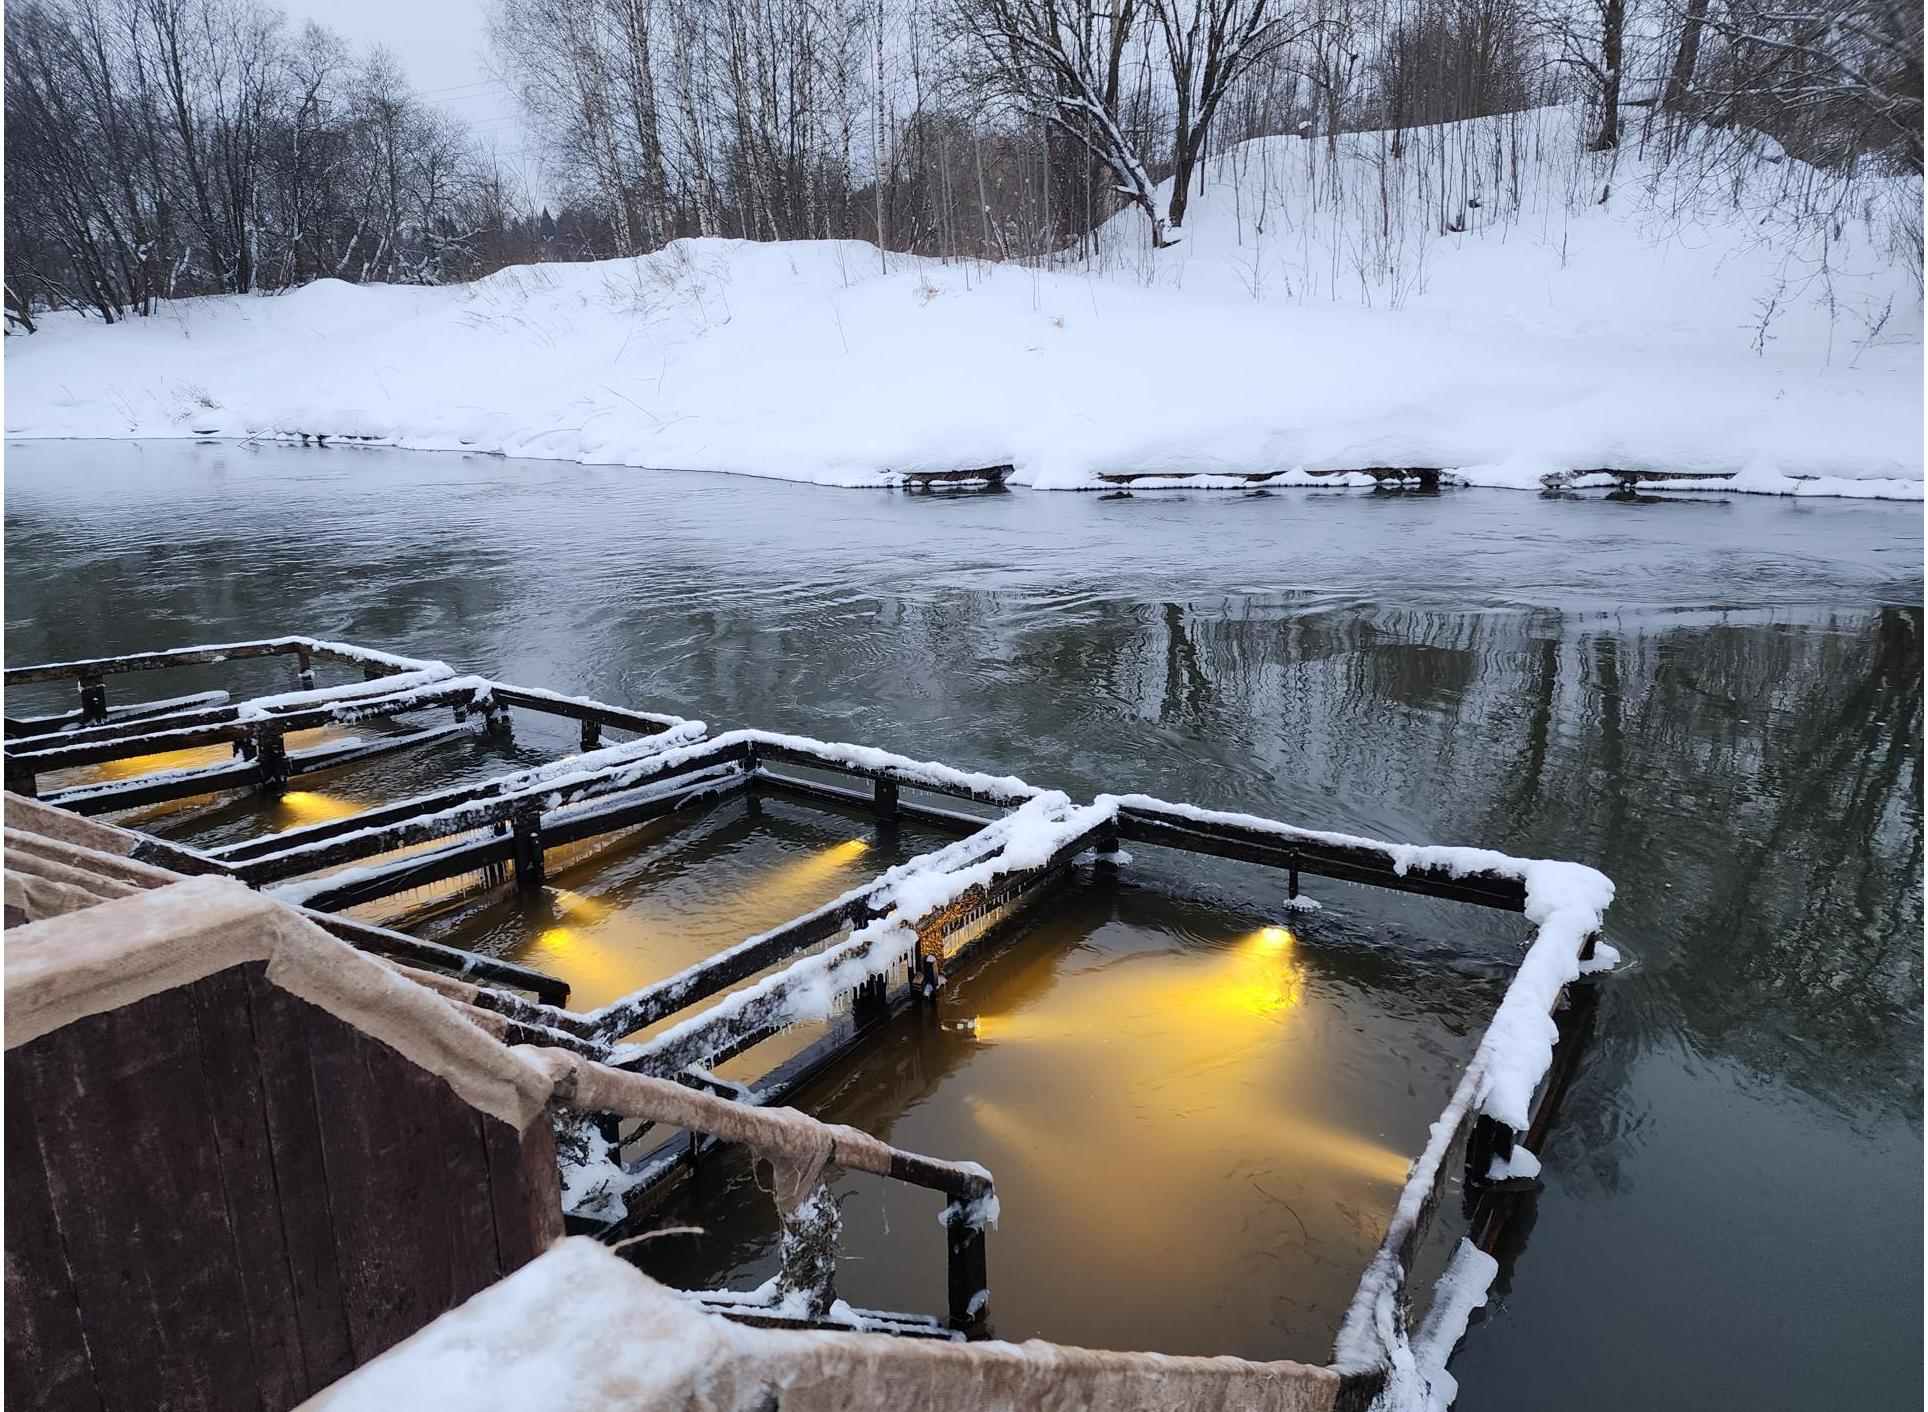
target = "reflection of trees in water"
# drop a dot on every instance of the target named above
(1752, 781)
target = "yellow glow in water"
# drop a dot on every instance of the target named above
(578, 908)
(1266, 995)
(805, 873)
(1276, 938)
(165, 760)
(302, 806)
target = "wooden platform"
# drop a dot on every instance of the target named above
(1424, 477)
(983, 478)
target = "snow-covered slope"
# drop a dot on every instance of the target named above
(1314, 316)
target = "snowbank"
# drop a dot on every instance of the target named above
(1627, 333)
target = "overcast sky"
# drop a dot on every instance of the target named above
(443, 44)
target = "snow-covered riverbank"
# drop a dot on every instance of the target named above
(1566, 337)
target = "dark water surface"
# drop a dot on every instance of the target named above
(1718, 703)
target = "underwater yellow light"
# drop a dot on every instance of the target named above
(1276, 938)
(306, 806)
(578, 908)
(807, 872)
(165, 760)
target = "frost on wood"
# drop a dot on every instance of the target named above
(808, 989)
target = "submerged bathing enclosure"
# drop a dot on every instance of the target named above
(630, 1091)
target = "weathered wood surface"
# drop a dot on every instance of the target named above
(576, 708)
(797, 752)
(302, 648)
(146, 661)
(449, 812)
(1426, 477)
(218, 725)
(27, 726)
(1361, 863)
(983, 475)
(947, 820)
(450, 960)
(224, 1197)
(271, 767)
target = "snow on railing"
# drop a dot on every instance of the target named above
(920, 913)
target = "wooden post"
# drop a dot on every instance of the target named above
(868, 1002)
(1489, 1139)
(527, 845)
(966, 1269)
(591, 735)
(93, 701)
(884, 799)
(271, 753)
(808, 1253)
(1292, 875)
(305, 668)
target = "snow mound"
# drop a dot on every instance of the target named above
(1644, 331)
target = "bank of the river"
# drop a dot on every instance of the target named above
(1316, 317)
(1717, 702)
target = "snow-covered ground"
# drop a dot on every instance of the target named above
(1314, 316)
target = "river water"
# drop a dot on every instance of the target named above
(1717, 702)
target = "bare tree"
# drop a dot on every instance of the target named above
(1062, 62)
(1209, 45)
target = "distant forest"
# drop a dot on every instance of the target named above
(164, 148)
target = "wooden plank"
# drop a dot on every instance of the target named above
(66, 755)
(1426, 476)
(219, 1010)
(612, 814)
(99, 744)
(1348, 863)
(740, 962)
(525, 1189)
(308, 762)
(29, 726)
(137, 1187)
(132, 794)
(1129, 477)
(439, 815)
(285, 1033)
(45, 1348)
(408, 1188)
(148, 661)
(828, 759)
(419, 870)
(642, 722)
(983, 475)
(132, 727)
(452, 960)
(950, 820)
